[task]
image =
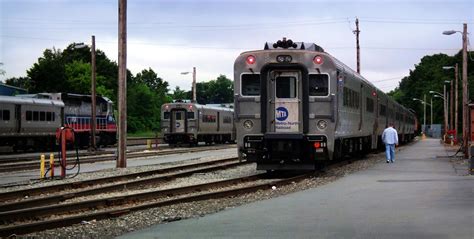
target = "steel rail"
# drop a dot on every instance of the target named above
(57, 198)
(110, 179)
(27, 165)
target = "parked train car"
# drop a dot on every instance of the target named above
(29, 122)
(191, 123)
(296, 107)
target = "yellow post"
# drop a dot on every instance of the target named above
(51, 165)
(42, 167)
(148, 144)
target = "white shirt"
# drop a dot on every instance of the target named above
(390, 136)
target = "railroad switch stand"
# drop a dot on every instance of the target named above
(64, 137)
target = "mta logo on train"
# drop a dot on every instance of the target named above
(281, 114)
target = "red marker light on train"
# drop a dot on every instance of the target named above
(318, 60)
(317, 145)
(190, 107)
(250, 60)
(374, 93)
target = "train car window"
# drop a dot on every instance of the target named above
(227, 120)
(35, 116)
(49, 116)
(178, 115)
(29, 115)
(54, 116)
(190, 115)
(166, 115)
(6, 115)
(383, 110)
(250, 84)
(318, 85)
(1, 114)
(370, 105)
(286, 87)
(42, 116)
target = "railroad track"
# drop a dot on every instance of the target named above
(29, 163)
(57, 210)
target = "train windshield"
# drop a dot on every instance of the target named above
(318, 85)
(250, 84)
(286, 87)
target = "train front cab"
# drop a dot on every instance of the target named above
(177, 129)
(287, 140)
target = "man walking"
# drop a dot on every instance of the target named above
(390, 138)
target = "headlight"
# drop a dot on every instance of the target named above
(248, 124)
(322, 124)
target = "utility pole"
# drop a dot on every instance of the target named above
(465, 125)
(122, 85)
(357, 31)
(451, 110)
(194, 84)
(93, 96)
(445, 104)
(456, 107)
(424, 113)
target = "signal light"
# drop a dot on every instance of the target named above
(318, 60)
(190, 107)
(251, 60)
(317, 145)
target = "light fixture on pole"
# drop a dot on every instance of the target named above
(93, 91)
(454, 99)
(442, 96)
(464, 88)
(424, 112)
(194, 82)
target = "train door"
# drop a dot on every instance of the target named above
(218, 121)
(17, 118)
(285, 102)
(178, 121)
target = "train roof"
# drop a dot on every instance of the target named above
(29, 100)
(67, 96)
(199, 106)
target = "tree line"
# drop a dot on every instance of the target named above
(429, 75)
(69, 70)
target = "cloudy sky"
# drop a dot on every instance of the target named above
(172, 36)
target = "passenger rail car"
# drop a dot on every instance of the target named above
(296, 107)
(29, 122)
(191, 123)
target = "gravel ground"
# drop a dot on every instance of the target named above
(138, 220)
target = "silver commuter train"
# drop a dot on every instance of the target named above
(29, 122)
(296, 107)
(191, 123)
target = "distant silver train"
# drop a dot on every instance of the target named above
(191, 123)
(296, 107)
(31, 121)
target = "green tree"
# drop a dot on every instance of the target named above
(22, 82)
(179, 94)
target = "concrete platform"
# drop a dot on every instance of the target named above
(419, 196)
